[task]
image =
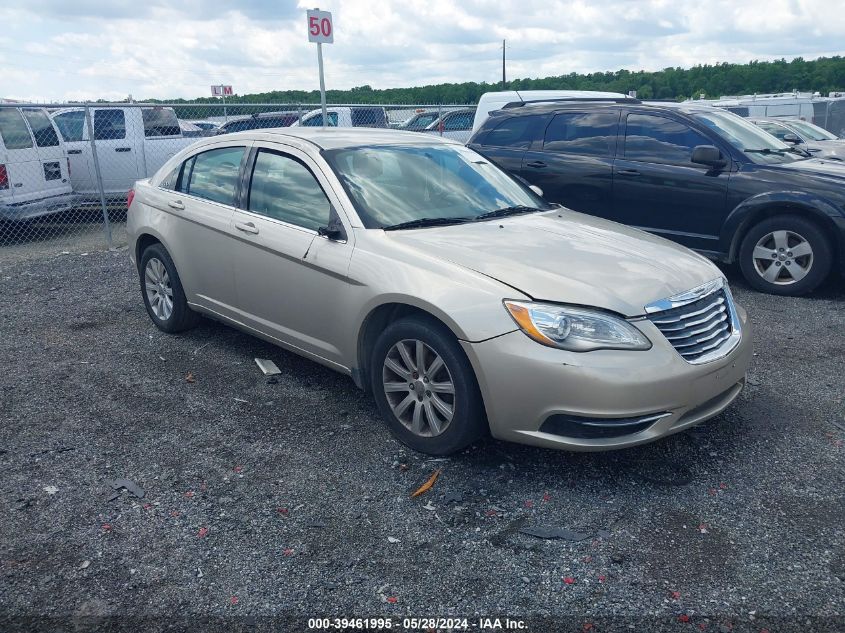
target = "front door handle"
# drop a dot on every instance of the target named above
(536, 164)
(629, 172)
(74, 151)
(123, 149)
(247, 227)
(176, 204)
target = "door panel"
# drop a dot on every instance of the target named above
(657, 188)
(118, 141)
(288, 278)
(574, 165)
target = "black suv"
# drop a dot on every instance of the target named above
(695, 174)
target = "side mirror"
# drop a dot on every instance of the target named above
(708, 155)
(791, 138)
(334, 229)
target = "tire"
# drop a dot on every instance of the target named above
(157, 268)
(423, 423)
(770, 264)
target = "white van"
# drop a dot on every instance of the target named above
(34, 169)
(492, 101)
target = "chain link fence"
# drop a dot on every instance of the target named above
(65, 169)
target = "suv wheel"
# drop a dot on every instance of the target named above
(425, 387)
(162, 290)
(785, 255)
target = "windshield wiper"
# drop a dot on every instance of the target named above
(423, 222)
(766, 150)
(502, 213)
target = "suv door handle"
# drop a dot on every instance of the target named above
(629, 172)
(74, 151)
(536, 164)
(176, 204)
(247, 227)
(123, 149)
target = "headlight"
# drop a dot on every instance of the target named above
(575, 329)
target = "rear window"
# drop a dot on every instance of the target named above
(70, 124)
(42, 128)
(462, 121)
(214, 175)
(13, 129)
(513, 132)
(588, 134)
(160, 122)
(109, 125)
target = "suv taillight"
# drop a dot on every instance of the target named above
(4, 177)
(130, 196)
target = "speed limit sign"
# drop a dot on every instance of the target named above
(320, 27)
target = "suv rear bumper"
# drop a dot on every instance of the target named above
(37, 208)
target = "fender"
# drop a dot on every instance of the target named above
(757, 206)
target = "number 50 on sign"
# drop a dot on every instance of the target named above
(320, 27)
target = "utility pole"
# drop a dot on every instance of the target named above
(504, 81)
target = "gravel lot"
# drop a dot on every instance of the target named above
(267, 504)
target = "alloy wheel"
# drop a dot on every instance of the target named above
(419, 387)
(783, 257)
(158, 288)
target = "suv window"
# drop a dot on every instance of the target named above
(368, 117)
(160, 122)
(109, 125)
(656, 139)
(317, 120)
(284, 189)
(42, 128)
(462, 121)
(70, 124)
(214, 174)
(13, 129)
(591, 134)
(513, 132)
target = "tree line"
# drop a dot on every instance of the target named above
(824, 75)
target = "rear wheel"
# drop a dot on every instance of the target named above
(162, 290)
(425, 387)
(785, 255)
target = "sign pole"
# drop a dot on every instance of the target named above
(322, 82)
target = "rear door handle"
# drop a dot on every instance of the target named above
(536, 164)
(176, 204)
(123, 149)
(74, 151)
(247, 227)
(629, 172)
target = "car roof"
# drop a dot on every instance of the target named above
(544, 107)
(340, 138)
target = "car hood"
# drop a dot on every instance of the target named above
(817, 166)
(821, 149)
(569, 257)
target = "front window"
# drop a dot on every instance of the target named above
(393, 184)
(812, 132)
(758, 145)
(71, 124)
(317, 120)
(656, 139)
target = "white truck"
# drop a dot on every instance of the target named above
(345, 116)
(132, 143)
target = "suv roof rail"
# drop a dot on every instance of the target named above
(519, 104)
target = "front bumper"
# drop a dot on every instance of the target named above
(525, 384)
(37, 208)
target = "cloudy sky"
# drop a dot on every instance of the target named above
(84, 49)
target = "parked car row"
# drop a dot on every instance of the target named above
(699, 175)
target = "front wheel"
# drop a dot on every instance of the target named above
(785, 255)
(425, 387)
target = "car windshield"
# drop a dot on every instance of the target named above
(812, 132)
(395, 184)
(757, 144)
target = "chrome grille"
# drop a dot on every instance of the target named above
(698, 329)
